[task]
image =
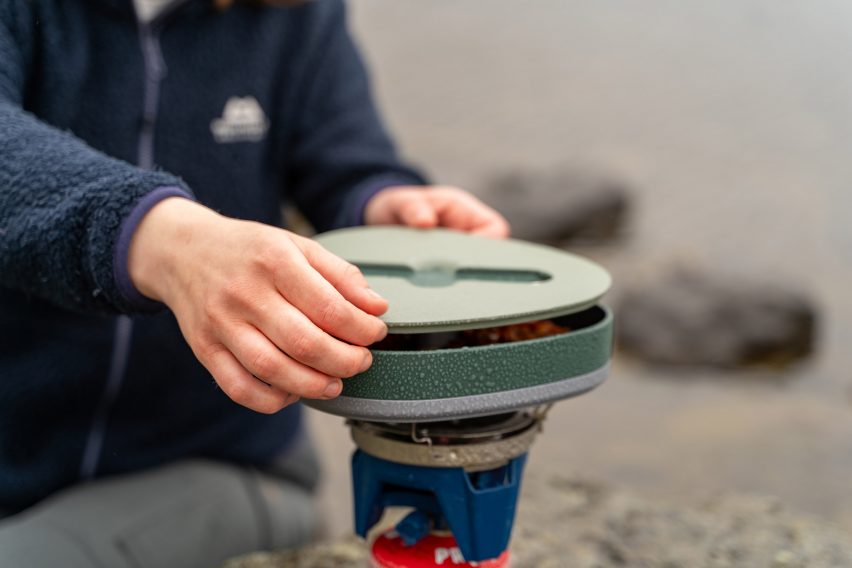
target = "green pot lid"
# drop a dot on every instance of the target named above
(441, 280)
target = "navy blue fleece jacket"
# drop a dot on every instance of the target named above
(100, 118)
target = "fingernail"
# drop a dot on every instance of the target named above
(374, 294)
(333, 389)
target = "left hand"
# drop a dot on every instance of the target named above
(435, 206)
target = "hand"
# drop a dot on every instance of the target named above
(272, 316)
(435, 206)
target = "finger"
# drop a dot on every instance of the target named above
(300, 339)
(262, 359)
(345, 277)
(241, 386)
(414, 208)
(314, 296)
(495, 227)
(462, 211)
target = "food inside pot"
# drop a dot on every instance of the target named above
(508, 333)
(472, 337)
(526, 331)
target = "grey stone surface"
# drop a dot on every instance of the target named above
(689, 317)
(581, 205)
(577, 523)
(344, 553)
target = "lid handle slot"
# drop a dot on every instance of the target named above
(434, 275)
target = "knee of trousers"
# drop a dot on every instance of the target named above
(187, 514)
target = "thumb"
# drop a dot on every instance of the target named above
(416, 210)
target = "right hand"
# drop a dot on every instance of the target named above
(273, 316)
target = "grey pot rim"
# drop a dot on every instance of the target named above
(430, 410)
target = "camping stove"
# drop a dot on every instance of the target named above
(484, 336)
(460, 477)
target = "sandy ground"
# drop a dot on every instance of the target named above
(733, 122)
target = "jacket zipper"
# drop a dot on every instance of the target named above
(155, 71)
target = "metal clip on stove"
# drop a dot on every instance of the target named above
(443, 426)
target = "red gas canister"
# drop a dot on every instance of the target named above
(434, 550)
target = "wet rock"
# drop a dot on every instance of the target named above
(574, 522)
(557, 207)
(698, 319)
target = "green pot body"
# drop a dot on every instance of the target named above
(444, 384)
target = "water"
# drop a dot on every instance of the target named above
(733, 121)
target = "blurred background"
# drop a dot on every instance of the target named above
(706, 147)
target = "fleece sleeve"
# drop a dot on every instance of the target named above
(62, 203)
(343, 155)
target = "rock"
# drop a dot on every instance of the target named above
(574, 522)
(556, 207)
(349, 553)
(696, 319)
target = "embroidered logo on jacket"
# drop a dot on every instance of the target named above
(242, 121)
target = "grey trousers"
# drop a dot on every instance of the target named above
(185, 515)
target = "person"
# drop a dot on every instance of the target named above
(156, 323)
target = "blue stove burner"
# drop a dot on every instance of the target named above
(478, 507)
